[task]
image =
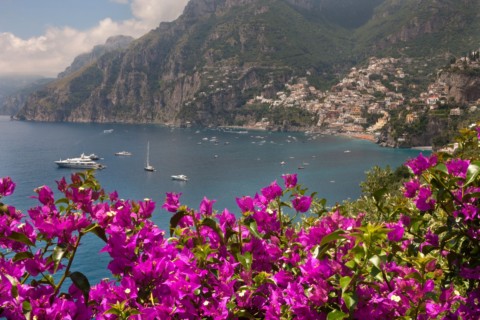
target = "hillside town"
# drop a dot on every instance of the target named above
(373, 90)
(343, 109)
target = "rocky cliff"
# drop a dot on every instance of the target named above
(463, 86)
(113, 43)
(198, 68)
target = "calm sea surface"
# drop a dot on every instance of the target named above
(221, 165)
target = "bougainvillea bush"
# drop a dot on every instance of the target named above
(280, 255)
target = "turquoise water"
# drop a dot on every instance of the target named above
(221, 165)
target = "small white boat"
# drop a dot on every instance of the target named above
(123, 153)
(180, 177)
(108, 131)
(149, 167)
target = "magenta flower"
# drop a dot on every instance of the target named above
(469, 211)
(266, 221)
(7, 186)
(411, 188)
(62, 185)
(283, 278)
(146, 209)
(431, 266)
(245, 204)
(206, 206)
(405, 220)
(226, 220)
(396, 233)
(302, 203)
(431, 239)
(458, 167)
(424, 202)
(38, 264)
(478, 132)
(290, 180)
(272, 192)
(172, 202)
(433, 309)
(113, 196)
(470, 273)
(45, 195)
(421, 163)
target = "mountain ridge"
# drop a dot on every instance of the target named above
(203, 67)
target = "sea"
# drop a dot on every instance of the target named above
(221, 164)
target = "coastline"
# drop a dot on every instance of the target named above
(360, 136)
(307, 130)
(352, 135)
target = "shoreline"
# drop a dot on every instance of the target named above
(359, 136)
(352, 135)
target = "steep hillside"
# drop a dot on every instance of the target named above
(166, 76)
(421, 27)
(219, 54)
(112, 44)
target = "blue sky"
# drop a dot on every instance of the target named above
(27, 18)
(42, 37)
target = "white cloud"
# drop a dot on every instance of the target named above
(155, 10)
(52, 52)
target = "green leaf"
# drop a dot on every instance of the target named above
(22, 256)
(229, 233)
(244, 314)
(252, 226)
(336, 235)
(26, 309)
(349, 299)
(82, 283)
(62, 200)
(351, 264)
(96, 230)
(59, 252)
(336, 315)
(376, 261)
(379, 195)
(114, 311)
(442, 168)
(26, 306)
(20, 237)
(176, 219)
(245, 260)
(345, 282)
(472, 174)
(14, 291)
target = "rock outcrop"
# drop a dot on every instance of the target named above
(462, 85)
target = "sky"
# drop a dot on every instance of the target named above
(42, 37)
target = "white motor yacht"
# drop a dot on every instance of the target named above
(82, 162)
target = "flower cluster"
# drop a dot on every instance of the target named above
(281, 256)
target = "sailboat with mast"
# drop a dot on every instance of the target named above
(148, 167)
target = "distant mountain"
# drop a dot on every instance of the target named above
(203, 67)
(113, 43)
(13, 88)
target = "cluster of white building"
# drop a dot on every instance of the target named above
(343, 108)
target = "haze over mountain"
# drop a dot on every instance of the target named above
(204, 66)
